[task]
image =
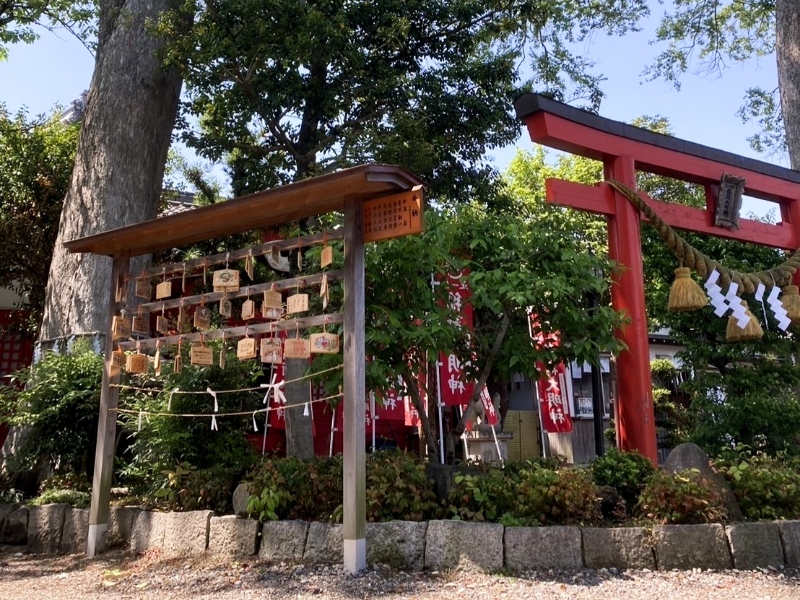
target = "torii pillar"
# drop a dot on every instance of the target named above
(624, 150)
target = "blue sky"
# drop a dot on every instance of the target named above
(57, 68)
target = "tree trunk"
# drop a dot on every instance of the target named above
(787, 49)
(120, 161)
(299, 428)
(416, 399)
(452, 436)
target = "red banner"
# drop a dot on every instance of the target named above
(455, 390)
(554, 401)
(389, 405)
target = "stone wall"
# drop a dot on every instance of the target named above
(58, 528)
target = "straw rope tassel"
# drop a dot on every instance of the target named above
(791, 302)
(685, 294)
(753, 331)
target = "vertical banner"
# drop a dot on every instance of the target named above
(454, 390)
(492, 417)
(554, 401)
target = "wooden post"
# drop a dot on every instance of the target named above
(107, 424)
(355, 503)
(635, 414)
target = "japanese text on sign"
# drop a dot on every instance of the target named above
(393, 216)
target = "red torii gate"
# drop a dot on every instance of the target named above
(624, 149)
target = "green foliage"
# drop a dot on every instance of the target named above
(72, 497)
(627, 472)
(290, 488)
(68, 481)
(528, 494)
(563, 497)
(421, 84)
(8, 493)
(710, 36)
(753, 405)
(682, 498)
(186, 488)
(58, 400)
(766, 487)
(484, 497)
(36, 158)
(164, 441)
(19, 20)
(398, 488)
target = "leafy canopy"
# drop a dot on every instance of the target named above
(19, 20)
(291, 89)
(36, 159)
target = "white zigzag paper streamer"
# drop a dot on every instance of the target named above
(737, 305)
(715, 294)
(776, 306)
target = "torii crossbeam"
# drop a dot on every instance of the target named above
(623, 150)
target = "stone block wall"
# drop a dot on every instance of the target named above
(58, 528)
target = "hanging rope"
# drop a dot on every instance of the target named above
(693, 258)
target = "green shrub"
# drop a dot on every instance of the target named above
(398, 488)
(681, 498)
(563, 497)
(484, 496)
(71, 497)
(58, 402)
(68, 481)
(627, 472)
(290, 488)
(186, 488)
(158, 443)
(765, 487)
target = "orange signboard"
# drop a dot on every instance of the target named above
(393, 216)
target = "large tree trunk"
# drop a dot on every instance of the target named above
(787, 48)
(119, 166)
(299, 428)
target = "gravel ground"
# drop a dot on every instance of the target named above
(121, 575)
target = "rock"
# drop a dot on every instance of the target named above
(617, 548)
(13, 524)
(186, 533)
(76, 531)
(148, 530)
(399, 544)
(232, 536)
(755, 545)
(120, 525)
(283, 540)
(790, 539)
(691, 456)
(542, 548)
(324, 544)
(691, 546)
(45, 524)
(240, 497)
(449, 544)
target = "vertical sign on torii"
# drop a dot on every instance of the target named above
(623, 150)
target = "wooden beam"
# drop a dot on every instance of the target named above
(231, 333)
(107, 424)
(569, 136)
(257, 211)
(220, 259)
(598, 199)
(245, 291)
(355, 478)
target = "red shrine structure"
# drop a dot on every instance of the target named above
(624, 150)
